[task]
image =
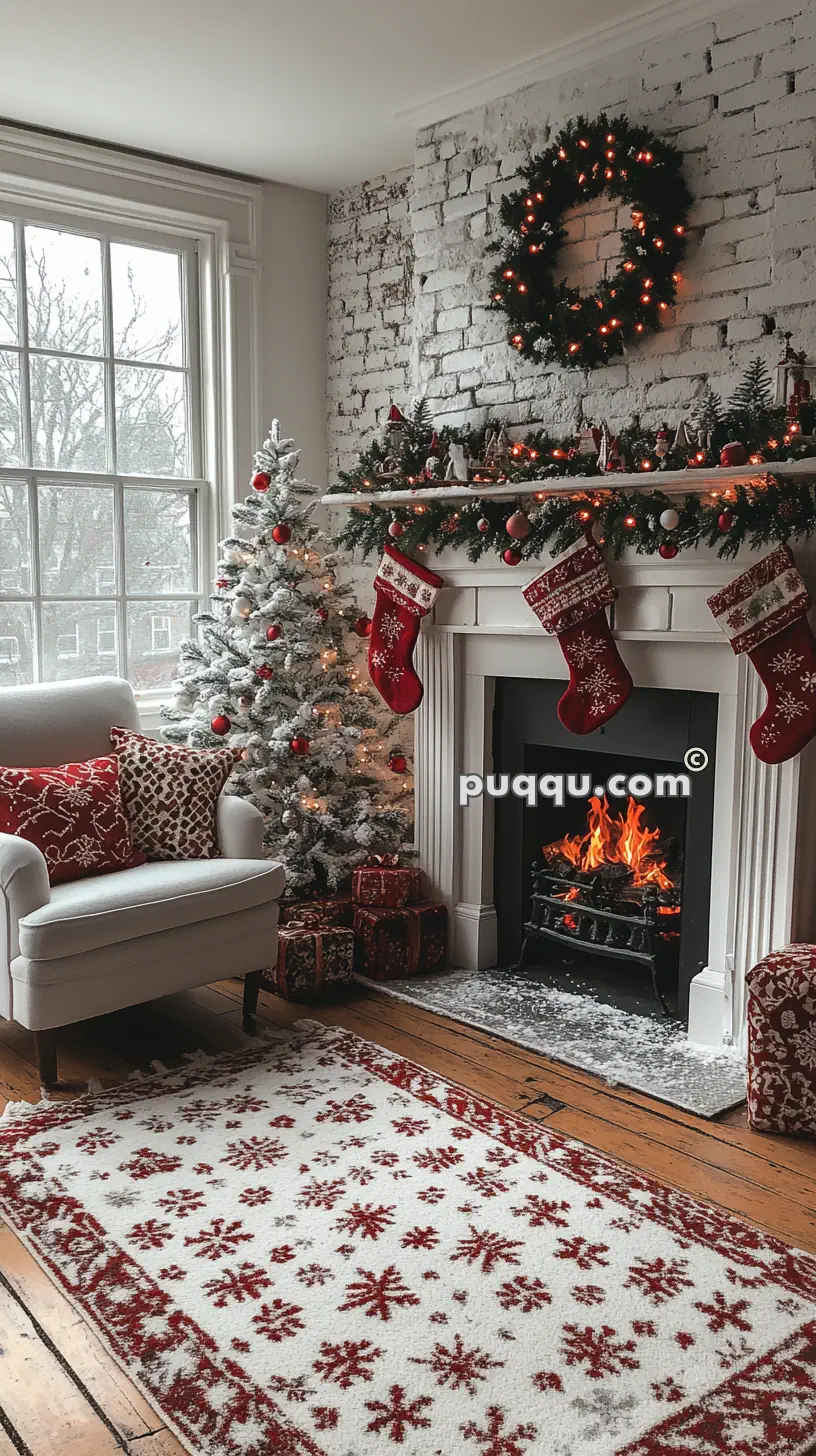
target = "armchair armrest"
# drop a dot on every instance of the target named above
(23, 887)
(239, 828)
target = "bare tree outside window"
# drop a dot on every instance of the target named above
(95, 410)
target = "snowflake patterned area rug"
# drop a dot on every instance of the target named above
(316, 1248)
(655, 1057)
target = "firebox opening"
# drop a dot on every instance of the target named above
(615, 888)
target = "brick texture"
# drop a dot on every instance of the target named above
(408, 270)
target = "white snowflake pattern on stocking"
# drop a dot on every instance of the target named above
(808, 682)
(603, 688)
(789, 707)
(787, 661)
(391, 627)
(586, 649)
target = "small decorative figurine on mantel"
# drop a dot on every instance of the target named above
(457, 462)
(794, 389)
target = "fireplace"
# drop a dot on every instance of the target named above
(606, 893)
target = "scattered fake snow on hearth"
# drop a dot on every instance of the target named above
(650, 1056)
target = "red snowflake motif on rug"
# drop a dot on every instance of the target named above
(340, 1252)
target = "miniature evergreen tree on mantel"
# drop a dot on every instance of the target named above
(276, 671)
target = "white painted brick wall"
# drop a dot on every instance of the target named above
(736, 93)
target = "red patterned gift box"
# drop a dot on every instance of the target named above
(395, 943)
(782, 1041)
(333, 910)
(312, 958)
(386, 884)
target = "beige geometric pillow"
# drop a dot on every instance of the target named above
(170, 794)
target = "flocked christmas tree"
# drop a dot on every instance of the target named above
(276, 671)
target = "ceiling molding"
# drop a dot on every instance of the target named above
(664, 18)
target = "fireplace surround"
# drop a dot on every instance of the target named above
(762, 842)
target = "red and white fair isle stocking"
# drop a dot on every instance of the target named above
(406, 591)
(764, 613)
(570, 600)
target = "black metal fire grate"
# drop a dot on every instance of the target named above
(594, 910)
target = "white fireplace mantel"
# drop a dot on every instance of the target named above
(764, 838)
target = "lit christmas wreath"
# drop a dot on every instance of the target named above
(553, 322)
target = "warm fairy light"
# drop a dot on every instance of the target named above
(534, 247)
(562, 154)
(700, 456)
(647, 282)
(558, 454)
(573, 348)
(508, 273)
(755, 459)
(614, 323)
(677, 277)
(581, 177)
(540, 196)
(639, 328)
(584, 144)
(584, 515)
(679, 229)
(516, 450)
(628, 267)
(540, 495)
(629, 522)
(610, 137)
(603, 329)
(498, 297)
(662, 306)
(522, 287)
(773, 444)
(419, 510)
(575, 307)
(533, 454)
(528, 202)
(531, 217)
(645, 464)
(659, 243)
(645, 297)
(610, 156)
(518, 340)
(608, 174)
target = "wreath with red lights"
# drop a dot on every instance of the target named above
(553, 322)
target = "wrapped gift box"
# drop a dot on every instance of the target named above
(782, 1041)
(333, 910)
(386, 886)
(312, 959)
(392, 943)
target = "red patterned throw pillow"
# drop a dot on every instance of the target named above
(74, 814)
(170, 794)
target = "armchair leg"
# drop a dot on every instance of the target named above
(252, 990)
(45, 1045)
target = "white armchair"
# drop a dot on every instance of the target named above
(75, 950)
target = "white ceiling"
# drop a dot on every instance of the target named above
(308, 92)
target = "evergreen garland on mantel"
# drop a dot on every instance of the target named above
(759, 513)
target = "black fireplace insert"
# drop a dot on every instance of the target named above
(607, 893)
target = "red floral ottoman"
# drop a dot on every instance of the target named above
(782, 1041)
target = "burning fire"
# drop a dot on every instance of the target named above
(612, 839)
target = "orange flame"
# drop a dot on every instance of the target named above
(614, 839)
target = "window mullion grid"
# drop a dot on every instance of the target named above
(121, 583)
(36, 582)
(22, 328)
(107, 343)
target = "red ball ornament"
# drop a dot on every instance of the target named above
(396, 528)
(398, 763)
(222, 583)
(321, 614)
(511, 557)
(300, 745)
(482, 525)
(725, 520)
(363, 626)
(274, 632)
(220, 725)
(264, 671)
(518, 526)
(261, 481)
(668, 550)
(734, 453)
(281, 534)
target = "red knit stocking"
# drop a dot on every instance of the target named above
(570, 600)
(764, 613)
(406, 591)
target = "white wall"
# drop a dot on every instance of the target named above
(293, 320)
(737, 94)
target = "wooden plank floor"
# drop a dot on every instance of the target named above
(60, 1391)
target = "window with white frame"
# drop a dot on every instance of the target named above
(102, 504)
